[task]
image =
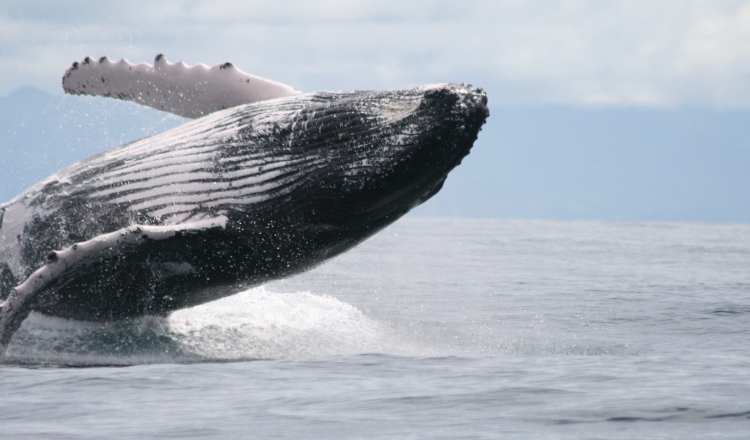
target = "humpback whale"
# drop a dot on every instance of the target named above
(266, 182)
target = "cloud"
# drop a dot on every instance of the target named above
(658, 53)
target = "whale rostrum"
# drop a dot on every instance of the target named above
(251, 192)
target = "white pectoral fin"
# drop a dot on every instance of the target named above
(63, 265)
(189, 91)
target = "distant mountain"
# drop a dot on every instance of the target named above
(529, 162)
(40, 133)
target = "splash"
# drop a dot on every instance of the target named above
(255, 324)
(260, 324)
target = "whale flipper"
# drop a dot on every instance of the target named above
(83, 259)
(189, 91)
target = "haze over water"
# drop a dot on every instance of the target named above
(434, 328)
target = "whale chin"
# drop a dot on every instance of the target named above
(231, 200)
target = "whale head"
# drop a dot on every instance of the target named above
(360, 160)
(347, 164)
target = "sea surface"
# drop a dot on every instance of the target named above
(434, 328)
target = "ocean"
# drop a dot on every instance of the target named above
(434, 328)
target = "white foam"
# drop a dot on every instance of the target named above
(261, 324)
(255, 324)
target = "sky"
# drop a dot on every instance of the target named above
(616, 110)
(571, 52)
